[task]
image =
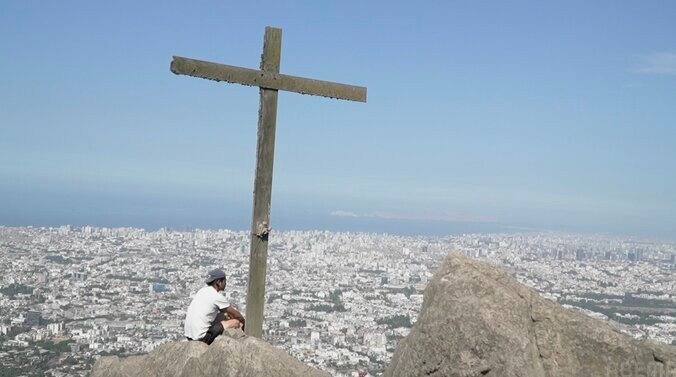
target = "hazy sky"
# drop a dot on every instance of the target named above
(547, 115)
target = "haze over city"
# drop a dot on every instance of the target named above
(503, 203)
(480, 117)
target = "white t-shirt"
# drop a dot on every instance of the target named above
(202, 311)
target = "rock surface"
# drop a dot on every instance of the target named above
(476, 320)
(232, 354)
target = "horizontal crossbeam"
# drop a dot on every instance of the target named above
(264, 79)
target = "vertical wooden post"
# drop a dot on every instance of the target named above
(265, 150)
(270, 81)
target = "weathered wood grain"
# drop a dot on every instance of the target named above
(270, 81)
(265, 156)
(266, 79)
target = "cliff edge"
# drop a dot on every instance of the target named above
(476, 320)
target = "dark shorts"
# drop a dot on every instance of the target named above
(215, 330)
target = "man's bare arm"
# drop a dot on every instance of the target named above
(233, 313)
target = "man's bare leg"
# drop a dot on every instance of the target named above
(231, 324)
(227, 322)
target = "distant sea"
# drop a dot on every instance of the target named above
(50, 207)
(154, 215)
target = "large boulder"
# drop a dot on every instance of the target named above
(232, 354)
(477, 320)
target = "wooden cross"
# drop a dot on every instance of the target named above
(270, 82)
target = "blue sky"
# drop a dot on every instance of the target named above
(541, 115)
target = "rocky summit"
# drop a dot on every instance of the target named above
(477, 320)
(230, 355)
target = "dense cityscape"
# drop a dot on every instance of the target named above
(337, 301)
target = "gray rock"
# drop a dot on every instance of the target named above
(232, 354)
(476, 320)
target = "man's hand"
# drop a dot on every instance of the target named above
(234, 314)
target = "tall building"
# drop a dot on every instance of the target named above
(579, 255)
(631, 256)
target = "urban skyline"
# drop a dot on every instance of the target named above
(336, 301)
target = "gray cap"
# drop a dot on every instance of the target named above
(214, 275)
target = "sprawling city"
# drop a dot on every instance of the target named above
(336, 301)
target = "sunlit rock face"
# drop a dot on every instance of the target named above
(476, 320)
(230, 355)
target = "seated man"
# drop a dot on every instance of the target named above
(209, 312)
